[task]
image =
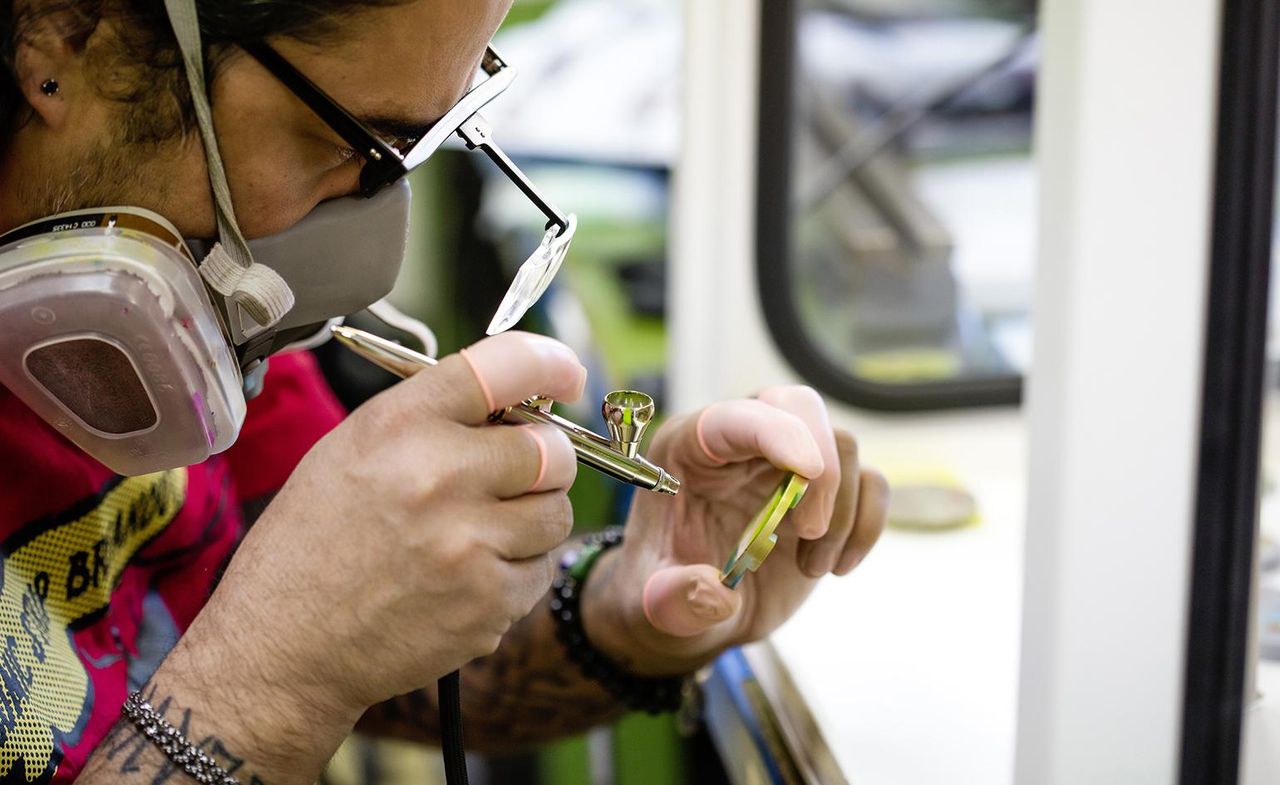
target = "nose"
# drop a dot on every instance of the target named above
(280, 211)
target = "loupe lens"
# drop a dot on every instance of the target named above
(533, 278)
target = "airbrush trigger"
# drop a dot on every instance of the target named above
(540, 402)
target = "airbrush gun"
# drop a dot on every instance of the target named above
(626, 413)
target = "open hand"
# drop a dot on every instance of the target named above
(658, 606)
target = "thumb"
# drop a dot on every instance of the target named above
(686, 600)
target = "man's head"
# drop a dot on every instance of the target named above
(119, 129)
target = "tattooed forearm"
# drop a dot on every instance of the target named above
(128, 756)
(525, 693)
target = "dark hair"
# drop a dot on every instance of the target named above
(142, 67)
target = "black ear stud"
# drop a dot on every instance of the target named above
(49, 86)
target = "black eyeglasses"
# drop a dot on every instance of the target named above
(387, 159)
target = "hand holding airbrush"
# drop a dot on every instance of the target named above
(627, 413)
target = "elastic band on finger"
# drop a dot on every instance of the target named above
(541, 444)
(484, 386)
(702, 440)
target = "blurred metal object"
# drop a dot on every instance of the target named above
(759, 537)
(619, 459)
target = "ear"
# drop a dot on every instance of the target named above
(42, 61)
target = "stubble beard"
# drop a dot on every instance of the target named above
(112, 172)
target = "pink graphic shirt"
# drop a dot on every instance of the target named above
(101, 574)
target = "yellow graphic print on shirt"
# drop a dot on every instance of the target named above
(51, 581)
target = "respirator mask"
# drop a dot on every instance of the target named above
(138, 345)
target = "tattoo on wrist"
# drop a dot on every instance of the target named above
(129, 751)
(527, 693)
(537, 694)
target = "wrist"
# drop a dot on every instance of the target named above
(614, 622)
(651, 694)
(282, 734)
(604, 621)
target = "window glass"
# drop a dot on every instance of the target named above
(898, 218)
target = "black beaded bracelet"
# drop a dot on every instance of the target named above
(652, 695)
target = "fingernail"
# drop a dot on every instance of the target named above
(702, 440)
(810, 465)
(821, 560)
(707, 603)
(554, 351)
(582, 380)
(844, 569)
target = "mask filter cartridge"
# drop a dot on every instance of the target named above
(110, 336)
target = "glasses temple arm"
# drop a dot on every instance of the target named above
(330, 111)
(478, 134)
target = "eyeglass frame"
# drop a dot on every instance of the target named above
(384, 164)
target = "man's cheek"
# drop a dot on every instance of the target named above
(269, 207)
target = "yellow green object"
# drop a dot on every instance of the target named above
(760, 535)
(928, 498)
(907, 366)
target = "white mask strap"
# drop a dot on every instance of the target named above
(229, 268)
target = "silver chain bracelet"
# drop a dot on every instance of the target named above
(190, 758)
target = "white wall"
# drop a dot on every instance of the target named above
(1125, 144)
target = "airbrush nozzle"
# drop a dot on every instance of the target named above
(618, 459)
